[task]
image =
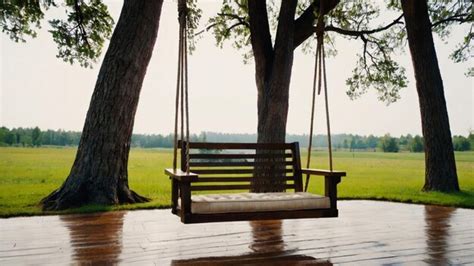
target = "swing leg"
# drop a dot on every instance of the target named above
(174, 196)
(330, 189)
(185, 195)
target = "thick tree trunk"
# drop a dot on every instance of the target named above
(99, 174)
(273, 65)
(273, 75)
(440, 172)
(272, 117)
(273, 96)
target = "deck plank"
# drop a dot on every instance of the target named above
(367, 232)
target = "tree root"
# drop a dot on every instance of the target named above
(129, 197)
(75, 196)
(49, 203)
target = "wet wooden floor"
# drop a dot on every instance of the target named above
(365, 233)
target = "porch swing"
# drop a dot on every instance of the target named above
(210, 166)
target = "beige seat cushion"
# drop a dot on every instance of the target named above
(257, 202)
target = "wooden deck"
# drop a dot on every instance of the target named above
(366, 233)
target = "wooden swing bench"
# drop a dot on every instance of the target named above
(230, 166)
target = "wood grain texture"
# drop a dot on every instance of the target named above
(366, 233)
(180, 175)
(267, 161)
(322, 172)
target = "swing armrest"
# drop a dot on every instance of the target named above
(331, 179)
(180, 175)
(181, 189)
(321, 172)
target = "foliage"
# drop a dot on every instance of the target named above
(26, 137)
(405, 140)
(417, 144)
(193, 16)
(445, 13)
(471, 139)
(36, 137)
(381, 38)
(79, 37)
(461, 143)
(389, 144)
(26, 175)
(20, 18)
(375, 67)
(232, 22)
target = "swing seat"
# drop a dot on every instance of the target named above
(256, 202)
(227, 167)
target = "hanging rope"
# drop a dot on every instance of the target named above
(328, 124)
(182, 88)
(175, 142)
(185, 41)
(318, 80)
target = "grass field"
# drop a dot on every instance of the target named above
(28, 174)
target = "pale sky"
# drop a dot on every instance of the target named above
(37, 89)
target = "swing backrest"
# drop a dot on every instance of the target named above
(231, 166)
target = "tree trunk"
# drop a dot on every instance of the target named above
(99, 174)
(273, 75)
(440, 172)
(273, 65)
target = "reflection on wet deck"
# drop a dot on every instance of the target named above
(365, 233)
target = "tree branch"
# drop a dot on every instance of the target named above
(80, 24)
(285, 32)
(240, 22)
(356, 33)
(461, 18)
(304, 24)
(261, 39)
(208, 27)
(304, 27)
(234, 16)
(234, 26)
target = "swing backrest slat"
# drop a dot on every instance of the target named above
(231, 166)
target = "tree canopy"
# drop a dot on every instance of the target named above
(381, 37)
(80, 35)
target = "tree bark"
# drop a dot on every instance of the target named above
(440, 171)
(99, 174)
(273, 74)
(273, 96)
(273, 65)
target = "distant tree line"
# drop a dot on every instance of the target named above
(30, 137)
(34, 137)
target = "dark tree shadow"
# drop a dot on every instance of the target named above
(268, 248)
(95, 238)
(437, 221)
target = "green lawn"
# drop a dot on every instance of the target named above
(28, 174)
